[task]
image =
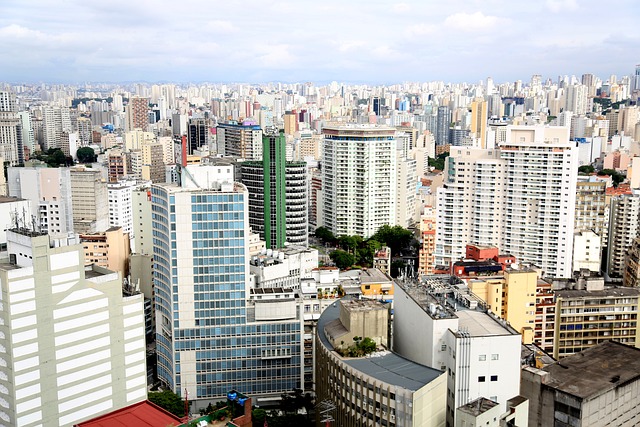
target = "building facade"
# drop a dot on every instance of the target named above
(519, 197)
(358, 179)
(240, 140)
(278, 194)
(210, 338)
(73, 346)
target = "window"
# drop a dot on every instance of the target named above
(494, 357)
(481, 379)
(443, 347)
(482, 357)
(494, 378)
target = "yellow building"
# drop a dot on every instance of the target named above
(375, 284)
(479, 120)
(512, 297)
(109, 249)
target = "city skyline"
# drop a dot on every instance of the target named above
(374, 42)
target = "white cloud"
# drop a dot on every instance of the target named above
(562, 5)
(420, 30)
(277, 56)
(346, 46)
(401, 8)
(471, 21)
(222, 26)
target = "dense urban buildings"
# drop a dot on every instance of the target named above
(521, 196)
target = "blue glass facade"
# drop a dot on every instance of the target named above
(231, 352)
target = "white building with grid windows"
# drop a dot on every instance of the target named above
(519, 197)
(359, 179)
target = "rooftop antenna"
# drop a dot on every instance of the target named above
(325, 409)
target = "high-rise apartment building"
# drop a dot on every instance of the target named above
(137, 114)
(109, 249)
(240, 140)
(592, 211)
(10, 130)
(359, 179)
(278, 194)
(210, 338)
(479, 116)
(443, 124)
(519, 197)
(623, 229)
(49, 190)
(406, 185)
(89, 200)
(73, 346)
(56, 121)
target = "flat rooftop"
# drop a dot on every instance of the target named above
(387, 367)
(607, 292)
(480, 324)
(373, 275)
(478, 406)
(595, 371)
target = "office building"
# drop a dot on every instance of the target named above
(120, 199)
(520, 197)
(153, 167)
(479, 352)
(278, 194)
(383, 390)
(596, 387)
(197, 136)
(359, 179)
(240, 140)
(73, 346)
(210, 337)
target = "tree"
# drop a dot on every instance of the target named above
(342, 259)
(168, 400)
(396, 238)
(616, 176)
(324, 234)
(350, 243)
(258, 415)
(86, 155)
(438, 162)
(586, 169)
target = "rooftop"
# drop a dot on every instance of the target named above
(143, 414)
(480, 324)
(386, 366)
(478, 406)
(596, 370)
(607, 292)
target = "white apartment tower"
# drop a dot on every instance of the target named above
(120, 196)
(359, 179)
(519, 197)
(49, 190)
(10, 129)
(71, 346)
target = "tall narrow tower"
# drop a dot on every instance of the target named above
(278, 194)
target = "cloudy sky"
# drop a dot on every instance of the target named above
(357, 41)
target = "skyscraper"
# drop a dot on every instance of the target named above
(479, 121)
(240, 140)
(358, 179)
(210, 337)
(10, 129)
(278, 194)
(72, 346)
(442, 127)
(137, 114)
(520, 198)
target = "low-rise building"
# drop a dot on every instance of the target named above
(379, 389)
(596, 387)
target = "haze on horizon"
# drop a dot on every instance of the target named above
(377, 41)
